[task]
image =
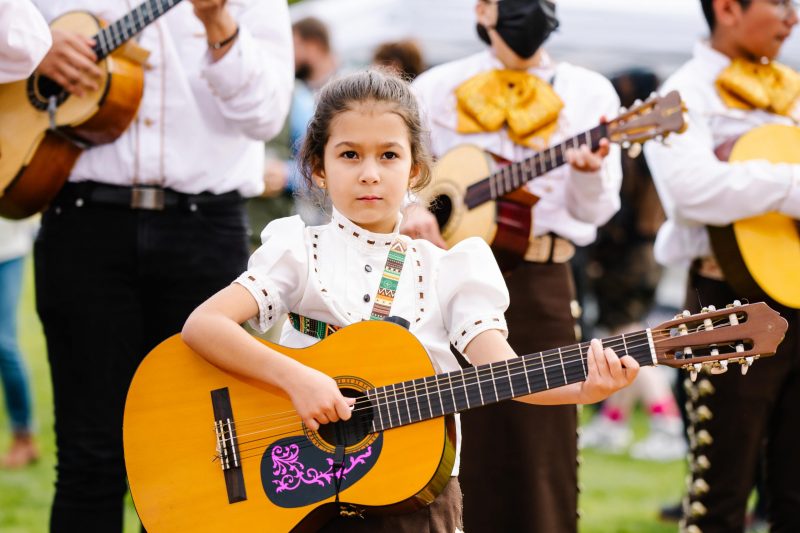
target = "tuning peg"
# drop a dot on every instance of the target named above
(626, 145)
(711, 308)
(622, 110)
(693, 375)
(693, 528)
(704, 438)
(634, 150)
(653, 95)
(719, 367)
(701, 464)
(746, 363)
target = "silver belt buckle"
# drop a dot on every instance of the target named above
(147, 197)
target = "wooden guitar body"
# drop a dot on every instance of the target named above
(35, 161)
(760, 256)
(504, 223)
(170, 443)
(206, 450)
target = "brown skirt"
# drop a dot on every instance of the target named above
(519, 461)
(442, 516)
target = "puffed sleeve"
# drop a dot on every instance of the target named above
(471, 291)
(277, 272)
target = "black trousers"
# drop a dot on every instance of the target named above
(751, 416)
(519, 461)
(111, 283)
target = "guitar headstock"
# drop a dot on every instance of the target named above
(713, 338)
(655, 118)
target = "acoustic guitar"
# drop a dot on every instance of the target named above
(760, 256)
(207, 450)
(43, 128)
(471, 196)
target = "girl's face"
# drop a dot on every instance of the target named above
(367, 165)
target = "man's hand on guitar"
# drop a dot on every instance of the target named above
(607, 373)
(583, 159)
(71, 62)
(419, 223)
(317, 398)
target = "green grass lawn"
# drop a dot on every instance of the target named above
(618, 494)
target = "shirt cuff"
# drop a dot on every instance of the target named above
(265, 296)
(231, 73)
(463, 335)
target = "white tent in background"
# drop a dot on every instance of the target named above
(606, 35)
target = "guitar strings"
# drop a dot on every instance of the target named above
(574, 373)
(613, 342)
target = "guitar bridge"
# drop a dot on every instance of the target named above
(228, 445)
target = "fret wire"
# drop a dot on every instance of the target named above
(507, 179)
(397, 406)
(510, 379)
(494, 384)
(518, 181)
(149, 11)
(416, 401)
(525, 371)
(643, 348)
(464, 384)
(101, 41)
(439, 389)
(374, 401)
(452, 392)
(405, 398)
(493, 186)
(552, 158)
(588, 138)
(563, 370)
(114, 42)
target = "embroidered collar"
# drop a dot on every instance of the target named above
(355, 234)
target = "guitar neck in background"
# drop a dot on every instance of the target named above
(511, 177)
(118, 33)
(425, 398)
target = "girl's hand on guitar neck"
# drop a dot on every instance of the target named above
(607, 373)
(317, 398)
(71, 63)
(584, 160)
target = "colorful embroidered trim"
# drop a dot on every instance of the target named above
(383, 300)
(312, 327)
(389, 280)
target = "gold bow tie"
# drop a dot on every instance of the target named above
(747, 85)
(526, 103)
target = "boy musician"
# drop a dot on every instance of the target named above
(736, 418)
(519, 468)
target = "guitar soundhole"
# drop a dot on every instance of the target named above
(353, 431)
(442, 209)
(41, 88)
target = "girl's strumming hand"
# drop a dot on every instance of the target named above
(317, 398)
(607, 373)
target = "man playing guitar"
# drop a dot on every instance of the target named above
(519, 468)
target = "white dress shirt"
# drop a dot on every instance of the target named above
(201, 125)
(448, 296)
(24, 39)
(572, 203)
(696, 188)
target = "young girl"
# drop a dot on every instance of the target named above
(364, 149)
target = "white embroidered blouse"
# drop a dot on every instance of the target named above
(331, 273)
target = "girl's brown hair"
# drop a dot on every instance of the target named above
(344, 94)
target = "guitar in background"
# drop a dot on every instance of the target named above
(470, 196)
(43, 128)
(760, 256)
(206, 450)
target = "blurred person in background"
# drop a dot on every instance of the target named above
(24, 40)
(740, 423)
(115, 275)
(404, 57)
(623, 275)
(519, 462)
(284, 192)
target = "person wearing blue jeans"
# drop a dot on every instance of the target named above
(15, 242)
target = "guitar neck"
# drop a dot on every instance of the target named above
(118, 33)
(408, 402)
(511, 177)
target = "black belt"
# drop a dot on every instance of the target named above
(148, 197)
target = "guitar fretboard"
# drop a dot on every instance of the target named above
(425, 398)
(511, 177)
(116, 34)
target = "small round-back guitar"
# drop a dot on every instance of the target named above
(207, 450)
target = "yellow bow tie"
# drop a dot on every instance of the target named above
(526, 103)
(747, 85)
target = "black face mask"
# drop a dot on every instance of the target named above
(524, 25)
(302, 72)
